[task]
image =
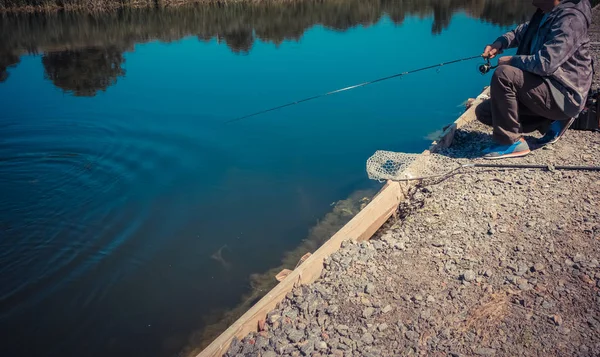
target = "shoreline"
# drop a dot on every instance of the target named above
(262, 283)
(511, 268)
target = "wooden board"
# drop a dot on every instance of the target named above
(360, 228)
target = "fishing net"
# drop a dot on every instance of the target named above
(398, 166)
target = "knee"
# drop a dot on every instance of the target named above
(503, 74)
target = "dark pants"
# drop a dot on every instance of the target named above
(521, 102)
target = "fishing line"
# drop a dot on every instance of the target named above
(352, 87)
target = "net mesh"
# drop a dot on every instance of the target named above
(397, 166)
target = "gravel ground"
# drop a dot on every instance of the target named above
(484, 263)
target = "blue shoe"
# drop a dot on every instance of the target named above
(518, 149)
(557, 129)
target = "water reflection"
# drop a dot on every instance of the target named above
(84, 72)
(83, 54)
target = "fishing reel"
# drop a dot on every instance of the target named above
(486, 67)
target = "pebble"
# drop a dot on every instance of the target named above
(537, 267)
(387, 309)
(382, 327)
(274, 318)
(485, 351)
(411, 335)
(367, 338)
(368, 312)
(469, 275)
(557, 319)
(295, 335)
(370, 288)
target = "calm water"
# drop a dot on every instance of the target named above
(119, 180)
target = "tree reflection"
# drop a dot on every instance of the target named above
(84, 72)
(7, 60)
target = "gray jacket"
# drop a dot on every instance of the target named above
(562, 53)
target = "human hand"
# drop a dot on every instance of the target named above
(504, 60)
(492, 50)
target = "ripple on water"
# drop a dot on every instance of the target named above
(73, 193)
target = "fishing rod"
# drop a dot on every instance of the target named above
(481, 69)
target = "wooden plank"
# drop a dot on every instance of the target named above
(360, 228)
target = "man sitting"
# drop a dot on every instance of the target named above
(545, 86)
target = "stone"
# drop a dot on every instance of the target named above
(274, 318)
(269, 354)
(295, 335)
(368, 312)
(332, 309)
(469, 275)
(370, 288)
(525, 286)
(365, 301)
(557, 319)
(387, 309)
(412, 335)
(322, 345)
(261, 342)
(485, 351)
(538, 267)
(382, 327)
(337, 353)
(307, 348)
(578, 258)
(367, 338)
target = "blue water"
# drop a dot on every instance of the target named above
(112, 204)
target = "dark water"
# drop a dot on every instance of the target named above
(120, 182)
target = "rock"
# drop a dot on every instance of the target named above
(308, 347)
(525, 286)
(370, 288)
(537, 267)
(399, 246)
(469, 275)
(430, 299)
(438, 243)
(387, 309)
(295, 335)
(578, 258)
(485, 351)
(261, 342)
(269, 354)
(382, 327)
(564, 331)
(274, 318)
(322, 345)
(557, 319)
(487, 273)
(412, 335)
(365, 301)
(337, 353)
(367, 338)
(368, 312)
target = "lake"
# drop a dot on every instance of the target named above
(132, 215)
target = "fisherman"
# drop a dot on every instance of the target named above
(545, 86)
